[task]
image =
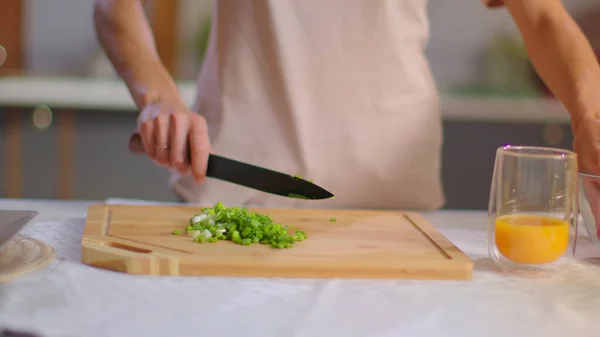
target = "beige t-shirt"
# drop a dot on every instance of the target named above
(337, 91)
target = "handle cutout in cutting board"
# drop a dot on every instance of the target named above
(129, 248)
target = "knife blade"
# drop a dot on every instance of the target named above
(11, 223)
(252, 176)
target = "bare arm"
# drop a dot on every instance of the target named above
(125, 35)
(560, 53)
(166, 126)
(564, 59)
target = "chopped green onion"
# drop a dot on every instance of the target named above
(176, 232)
(240, 226)
(332, 220)
(299, 177)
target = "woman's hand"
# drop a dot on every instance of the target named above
(176, 138)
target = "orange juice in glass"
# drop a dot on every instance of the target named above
(533, 207)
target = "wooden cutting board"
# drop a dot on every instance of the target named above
(360, 244)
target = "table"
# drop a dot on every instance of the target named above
(71, 299)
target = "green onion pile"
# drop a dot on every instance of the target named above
(240, 226)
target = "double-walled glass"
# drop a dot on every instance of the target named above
(533, 208)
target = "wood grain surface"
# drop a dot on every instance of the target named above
(137, 239)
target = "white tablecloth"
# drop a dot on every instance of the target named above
(71, 299)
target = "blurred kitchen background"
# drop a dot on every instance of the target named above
(66, 119)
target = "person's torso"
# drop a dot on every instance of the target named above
(337, 91)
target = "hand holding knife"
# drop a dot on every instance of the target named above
(251, 176)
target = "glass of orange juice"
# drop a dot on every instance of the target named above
(533, 208)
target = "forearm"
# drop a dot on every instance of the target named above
(125, 35)
(560, 53)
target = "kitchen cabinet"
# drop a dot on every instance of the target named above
(103, 167)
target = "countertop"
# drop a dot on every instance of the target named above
(71, 299)
(112, 95)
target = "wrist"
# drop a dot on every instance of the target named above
(582, 114)
(584, 109)
(586, 102)
(583, 105)
(154, 97)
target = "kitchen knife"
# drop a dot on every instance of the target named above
(11, 223)
(252, 176)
